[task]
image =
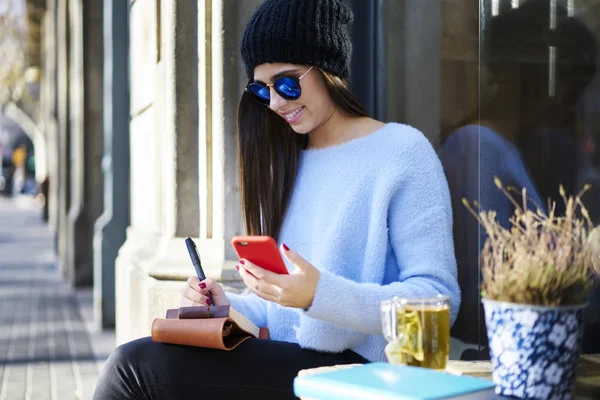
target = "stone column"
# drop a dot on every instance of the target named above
(195, 185)
(220, 85)
(86, 132)
(153, 261)
(109, 230)
(64, 147)
(48, 100)
(76, 151)
(179, 42)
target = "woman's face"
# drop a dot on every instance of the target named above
(313, 107)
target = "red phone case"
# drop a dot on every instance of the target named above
(261, 250)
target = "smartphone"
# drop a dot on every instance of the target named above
(262, 251)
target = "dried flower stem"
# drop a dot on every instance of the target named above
(541, 259)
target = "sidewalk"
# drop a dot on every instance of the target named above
(47, 350)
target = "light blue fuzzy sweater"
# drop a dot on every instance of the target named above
(374, 216)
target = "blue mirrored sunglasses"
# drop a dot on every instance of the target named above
(287, 87)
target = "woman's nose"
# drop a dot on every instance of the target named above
(277, 102)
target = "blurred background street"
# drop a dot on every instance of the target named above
(48, 350)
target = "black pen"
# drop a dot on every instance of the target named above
(195, 256)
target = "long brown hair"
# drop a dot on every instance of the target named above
(268, 157)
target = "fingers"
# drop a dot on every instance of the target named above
(195, 293)
(212, 286)
(185, 302)
(261, 287)
(260, 273)
(294, 258)
(196, 297)
(205, 286)
(266, 296)
(193, 282)
(219, 297)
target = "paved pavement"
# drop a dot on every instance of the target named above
(47, 350)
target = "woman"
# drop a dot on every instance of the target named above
(361, 210)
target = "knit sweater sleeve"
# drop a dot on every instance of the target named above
(251, 306)
(420, 236)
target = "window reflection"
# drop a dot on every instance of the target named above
(533, 126)
(504, 88)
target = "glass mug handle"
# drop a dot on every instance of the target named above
(403, 331)
(389, 320)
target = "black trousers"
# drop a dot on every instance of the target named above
(257, 369)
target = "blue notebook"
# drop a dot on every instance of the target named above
(386, 382)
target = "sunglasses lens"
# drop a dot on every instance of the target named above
(288, 88)
(260, 92)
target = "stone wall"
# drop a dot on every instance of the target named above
(184, 91)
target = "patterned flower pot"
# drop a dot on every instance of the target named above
(534, 349)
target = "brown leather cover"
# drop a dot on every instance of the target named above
(203, 312)
(204, 326)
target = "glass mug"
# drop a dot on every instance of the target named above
(417, 331)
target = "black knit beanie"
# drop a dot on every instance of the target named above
(309, 32)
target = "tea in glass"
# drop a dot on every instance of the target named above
(417, 331)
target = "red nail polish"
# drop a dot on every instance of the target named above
(202, 285)
(237, 267)
(242, 262)
(208, 302)
(285, 247)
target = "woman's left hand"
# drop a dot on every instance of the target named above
(296, 289)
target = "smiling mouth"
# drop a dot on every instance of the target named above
(290, 116)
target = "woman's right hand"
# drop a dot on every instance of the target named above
(195, 293)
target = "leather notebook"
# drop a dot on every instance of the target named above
(214, 327)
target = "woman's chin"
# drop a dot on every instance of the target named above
(301, 129)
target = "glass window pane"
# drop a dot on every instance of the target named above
(505, 88)
(539, 103)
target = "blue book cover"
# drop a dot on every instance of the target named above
(386, 382)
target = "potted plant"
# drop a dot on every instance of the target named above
(536, 280)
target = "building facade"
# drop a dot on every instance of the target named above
(139, 104)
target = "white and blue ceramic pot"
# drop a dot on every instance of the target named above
(534, 349)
